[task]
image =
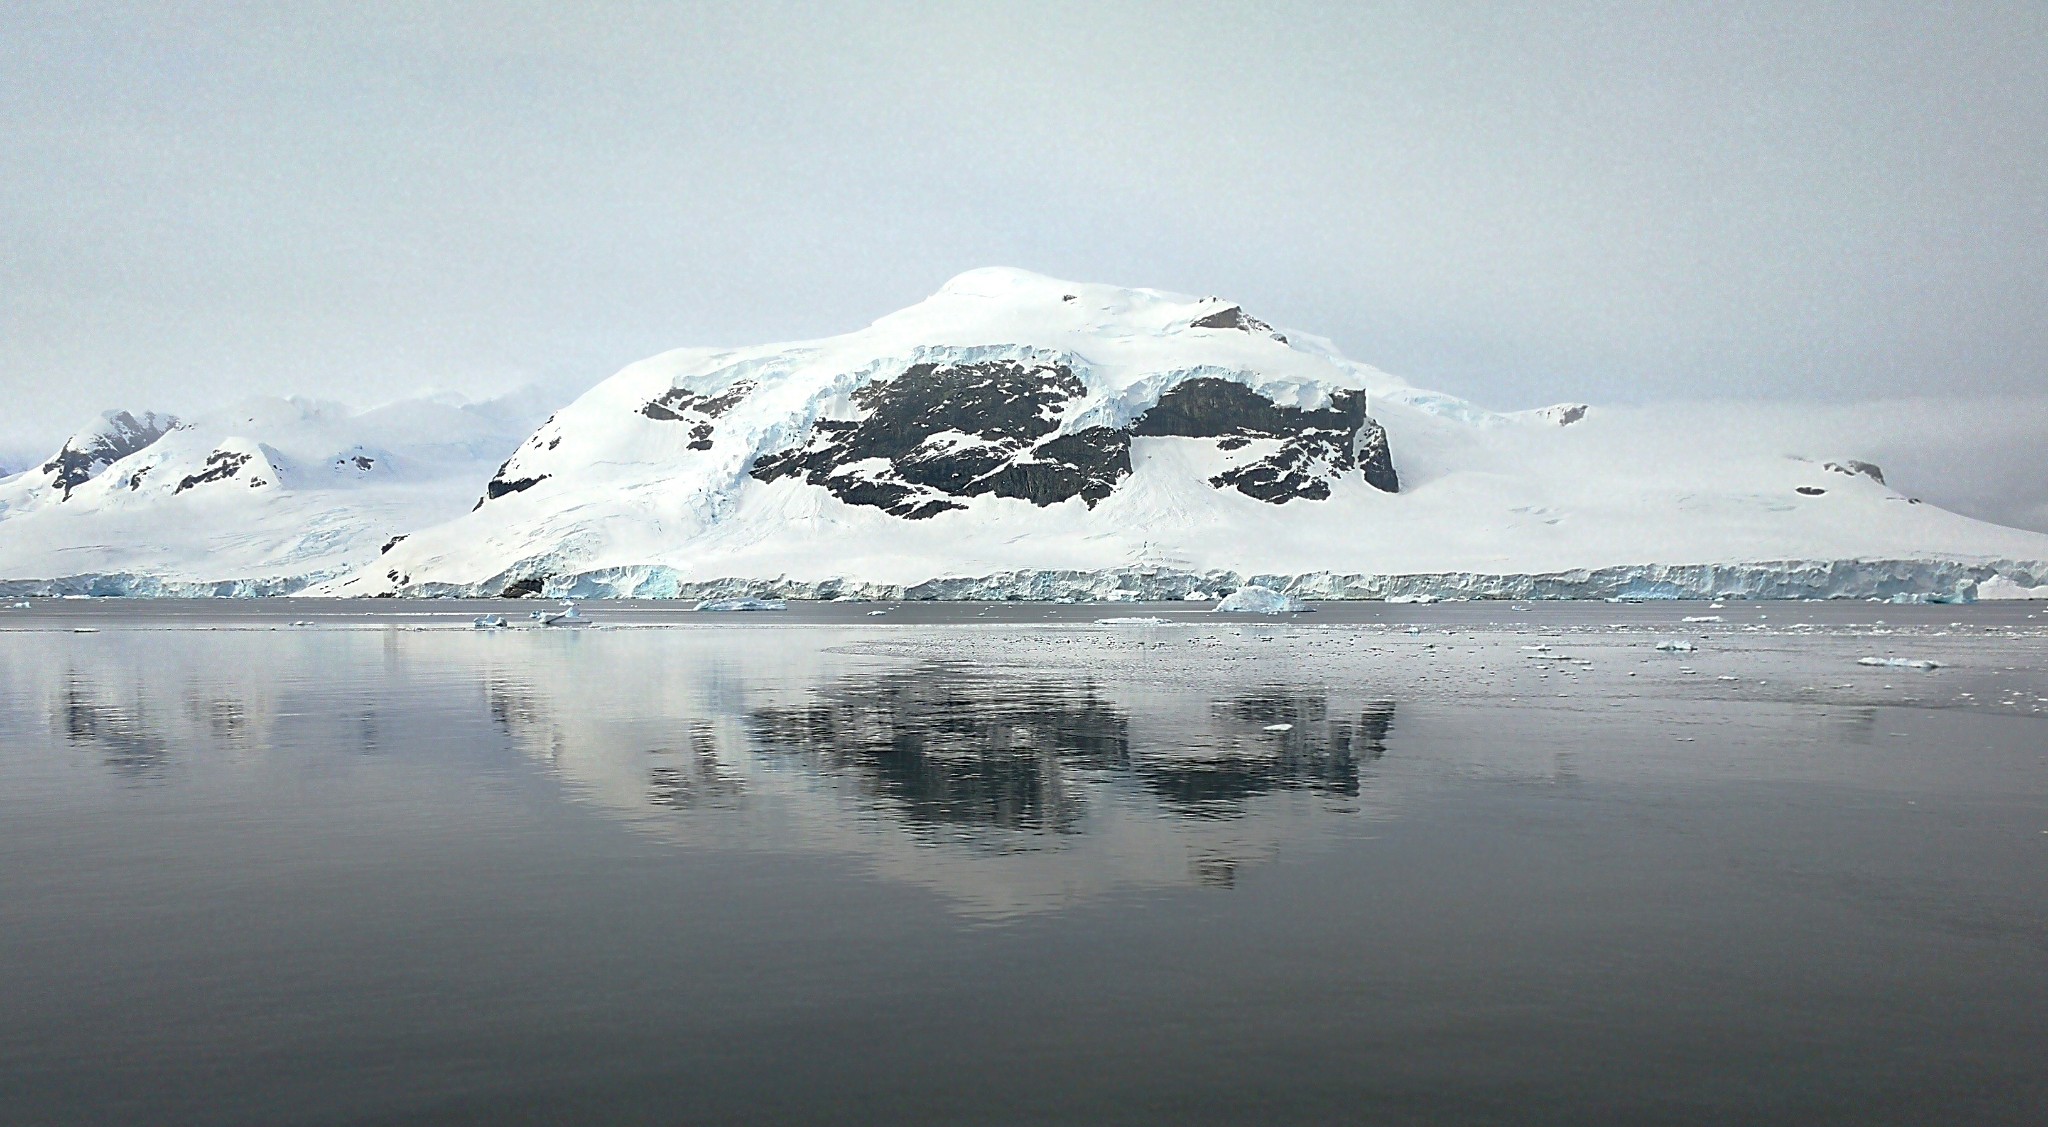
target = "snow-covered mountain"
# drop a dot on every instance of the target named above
(1012, 436)
(1019, 436)
(262, 497)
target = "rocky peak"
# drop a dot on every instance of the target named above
(116, 435)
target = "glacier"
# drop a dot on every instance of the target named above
(1933, 581)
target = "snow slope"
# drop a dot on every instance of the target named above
(260, 498)
(1020, 436)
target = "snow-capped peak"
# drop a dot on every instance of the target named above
(264, 494)
(100, 443)
(1021, 425)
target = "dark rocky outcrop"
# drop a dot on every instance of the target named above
(1315, 444)
(959, 430)
(118, 435)
(500, 485)
(680, 405)
(937, 433)
(1853, 467)
(220, 466)
(1232, 317)
(1374, 457)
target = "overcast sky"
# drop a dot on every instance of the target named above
(1626, 203)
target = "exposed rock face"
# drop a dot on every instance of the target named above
(941, 432)
(498, 486)
(1315, 445)
(1235, 318)
(678, 405)
(960, 430)
(546, 438)
(1852, 467)
(220, 466)
(118, 435)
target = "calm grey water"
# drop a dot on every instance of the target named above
(970, 864)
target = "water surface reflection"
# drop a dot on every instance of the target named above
(1005, 790)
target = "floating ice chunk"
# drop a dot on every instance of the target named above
(490, 622)
(567, 616)
(1703, 618)
(1254, 599)
(1130, 622)
(873, 613)
(1999, 587)
(742, 604)
(1279, 727)
(23, 605)
(1677, 646)
(1899, 662)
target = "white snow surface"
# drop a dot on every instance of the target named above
(1566, 501)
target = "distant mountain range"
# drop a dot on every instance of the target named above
(1012, 436)
(265, 497)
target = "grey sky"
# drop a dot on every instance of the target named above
(1624, 202)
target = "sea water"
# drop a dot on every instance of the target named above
(275, 862)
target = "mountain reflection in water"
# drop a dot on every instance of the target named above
(1005, 790)
(125, 741)
(942, 746)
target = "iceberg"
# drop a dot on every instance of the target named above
(1255, 599)
(1999, 587)
(1899, 663)
(741, 604)
(567, 616)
